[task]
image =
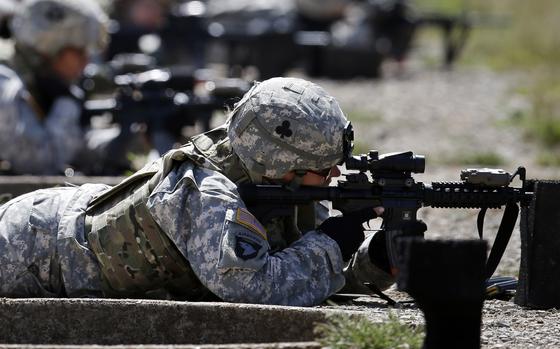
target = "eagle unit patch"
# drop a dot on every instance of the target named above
(244, 244)
(246, 219)
(246, 249)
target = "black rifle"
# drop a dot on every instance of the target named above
(386, 180)
(164, 100)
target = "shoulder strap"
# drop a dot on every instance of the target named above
(147, 172)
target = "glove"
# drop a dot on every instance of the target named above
(377, 249)
(348, 231)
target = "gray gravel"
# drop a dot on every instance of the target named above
(447, 116)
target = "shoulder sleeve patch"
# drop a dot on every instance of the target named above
(245, 218)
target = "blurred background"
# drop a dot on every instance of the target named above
(516, 39)
(464, 82)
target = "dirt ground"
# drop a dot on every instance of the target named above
(450, 117)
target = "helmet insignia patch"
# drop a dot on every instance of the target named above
(284, 129)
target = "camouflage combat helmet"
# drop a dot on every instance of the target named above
(285, 124)
(47, 26)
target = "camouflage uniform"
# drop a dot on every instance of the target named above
(36, 140)
(43, 249)
(178, 228)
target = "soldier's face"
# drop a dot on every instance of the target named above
(147, 14)
(314, 178)
(69, 63)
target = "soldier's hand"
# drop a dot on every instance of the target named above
(348, 230)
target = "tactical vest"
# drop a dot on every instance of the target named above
(136, 256)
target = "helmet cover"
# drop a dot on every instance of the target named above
(285, 124)
(48, 26)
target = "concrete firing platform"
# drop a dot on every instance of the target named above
(78, 322)
(148, 324)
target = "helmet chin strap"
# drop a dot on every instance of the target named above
(294, 184)
(256, 172)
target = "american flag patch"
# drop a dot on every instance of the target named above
(246, 219)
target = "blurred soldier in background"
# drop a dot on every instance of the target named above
(133, 19)
(145, 14)
(333, 38)
(40, 106)
(170, 31)
(379, 28)
(320, 14)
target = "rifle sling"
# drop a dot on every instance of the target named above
(502, 237)
(380, 293)
(480, 221)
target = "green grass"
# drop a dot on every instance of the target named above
(549, 158)
(357, 115)
(543, 120)
(508, 34)
(450, 7)
(342, 332)
(362, 119)
(527, 42)
(361, 148)
(479, 159)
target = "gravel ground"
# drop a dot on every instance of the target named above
(449, 116)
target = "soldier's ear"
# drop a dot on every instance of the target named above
(288, 176)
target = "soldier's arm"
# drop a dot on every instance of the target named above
(361, 270)
(33, 146)
(228, 249)
(64, 130)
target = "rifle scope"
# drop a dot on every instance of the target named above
(392, 162)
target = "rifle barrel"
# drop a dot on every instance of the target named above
(441, 195)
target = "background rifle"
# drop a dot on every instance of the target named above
(386, 180)
(164, 101)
